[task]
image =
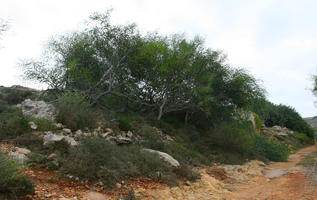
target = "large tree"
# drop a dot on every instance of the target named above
(165, 74)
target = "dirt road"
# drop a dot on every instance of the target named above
(282, 181)
(251, 181)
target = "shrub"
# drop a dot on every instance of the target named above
(124, 123)
(11, 180)
(233, 136)
(272, 150)
(13, 123)
(303, 138)
(74, 111)
(258, 123)
(95, 159)
(14, 96)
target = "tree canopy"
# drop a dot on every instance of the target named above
(163, 74)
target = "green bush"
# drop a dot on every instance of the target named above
(14, 96)
(303, 138)
(96, 159)
(13, 123)
(258, 123)
(11, 180)
(74, 111)
(124, 123)
(233, 136)
(281, 115)
(272, 150)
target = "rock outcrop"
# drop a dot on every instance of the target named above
(165, 157)
(50, 138)
(37, 109)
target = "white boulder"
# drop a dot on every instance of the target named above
(38, 109)
(164, 156)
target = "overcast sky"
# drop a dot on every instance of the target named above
(275, 40)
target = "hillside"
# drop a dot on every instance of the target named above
(125, 113)
(121, 150)
(312, 121)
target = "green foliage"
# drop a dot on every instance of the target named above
(309, 160)
(272, 150)
(124, 123)
(234, 136)
(13, 123)
(95, 159)
(303, 138)
(281, 115)
(258, 123)
(15, 96)
(74, 111)
(11, 181)
(158, 73)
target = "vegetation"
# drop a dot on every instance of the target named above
(74, 111)
(12, 182)
(137, 83)
(271, 149)
(281, 115)
(95, 159)
(164, 74)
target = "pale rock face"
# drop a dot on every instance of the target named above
(109, 130)
(66, 131)
(59, 125)
(129, 134)
(21, 158)
(94, 196)
(33, 126)
(164, 156)
(22, 150)
(38, 109)
(51, 138)
(123, 140)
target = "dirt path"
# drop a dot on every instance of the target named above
(251, 181)
(288, 182)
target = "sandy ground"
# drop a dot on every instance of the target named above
(278, 181)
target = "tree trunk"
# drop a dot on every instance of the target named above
(162, 108)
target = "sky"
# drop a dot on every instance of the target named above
(274, 40)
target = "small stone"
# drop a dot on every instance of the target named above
(33, 126)
(22, 150)
(59, 125)
(129, 134)
(66, 131)
(78, 133)
(118, 186)
(187, 183)
(109, 130)
(104, 135)
(52, 156)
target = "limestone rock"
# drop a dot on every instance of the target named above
(38, 109)
(33, 126)
(21, 158)
(52, 156)
(129, 134)
(22, 150)
(164, 156)
(66, 131)
(70, 141)
(123, 140)
(51, 138)
(275, 173)
(109, 130)
(94, 196)
(78, 133)
(59, 125)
